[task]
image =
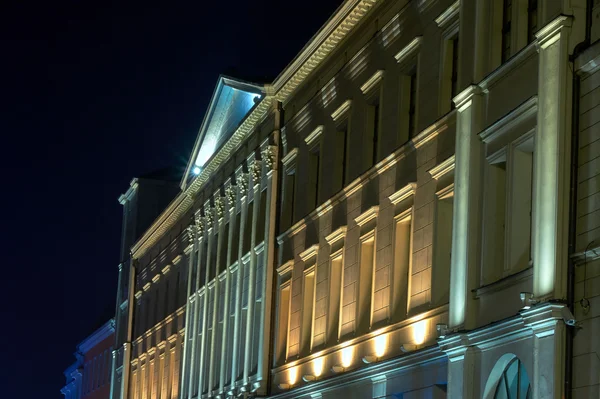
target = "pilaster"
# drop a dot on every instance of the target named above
(467, 205)
(552, 157)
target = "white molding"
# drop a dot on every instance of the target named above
(309, 253)
(367, 216)
(403, 194)
(287, 267)
(506, 124)
(373, 82)
(336, 235)
(341, 110)
(408, 50)
(314, 135)
(448, 15)
(443, 168)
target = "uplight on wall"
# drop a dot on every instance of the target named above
(318, 366)
(419, 331)
(347, 357)
(292, 377)
(380, 344)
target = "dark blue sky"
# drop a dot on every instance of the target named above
(91, 97)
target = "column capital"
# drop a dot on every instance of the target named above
(547, 35)
(462, 99)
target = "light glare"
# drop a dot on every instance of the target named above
(196, 170)
(292, 375)
(380, 345)
(347, 356)
(419, 331)
(318, 366)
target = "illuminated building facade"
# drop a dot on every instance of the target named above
(89, 376)
(391, 217)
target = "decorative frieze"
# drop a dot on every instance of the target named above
(256, 171)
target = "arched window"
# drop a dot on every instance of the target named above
(514, 382)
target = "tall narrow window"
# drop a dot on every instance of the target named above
(341, 138)
(262, 218)
(289, 193)
(372, 146)
(282, 328)
(412, 102)
(454, 75)
(308, 300)
(494, 221)
(313, 176)
(248, 228)
(223, 249)
(442, 248)
(365, 283)
(401, 268)
(212, 271)
(506, 29)
(519, 214)
(532, 9)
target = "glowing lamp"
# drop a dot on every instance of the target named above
(309, 378)
(196, 170)
(419, 331)
(318, 366)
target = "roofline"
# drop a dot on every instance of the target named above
(327, 39)
(223, 80)
(105, 331)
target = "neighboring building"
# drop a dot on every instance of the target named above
(391, 217)
(146, 197)
(89, 376)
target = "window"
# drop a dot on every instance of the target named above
(283, 322)
(372, 144)
(412, 102)
(532, 9)
(442, 245)
(314, 163)
(308, 301)
(235, 243)
(248, 228)
(335, 294)
(262, 218)
(514, 382)
(365, 282)
(506, 29)
(402, 249)
(454, 73)
(289, 189)
(223, 249)
(507, 193)
(341, 153)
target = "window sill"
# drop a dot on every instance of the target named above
(503, 283)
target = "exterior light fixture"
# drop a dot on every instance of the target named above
(309, 378)
(527, 299)
(408, 347)
(196, 170)
(442, 329)
(338, 368)
(284, 386)
(370, 359)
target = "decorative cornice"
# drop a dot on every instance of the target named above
(97, 337)
(309, 253)
(443, 168)
(527, 110)
(346, 18)
(314, 135)
(289, 157)
(448, 15)
(323, 43)
(367, 216)
(551, 28)
(404, 193)
(409, 49)
(372, 82)
(285, 268)
(336, 235)
(341, 110)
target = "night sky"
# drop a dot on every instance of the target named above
(90, 98)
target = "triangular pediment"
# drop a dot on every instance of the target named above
(232, 100)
